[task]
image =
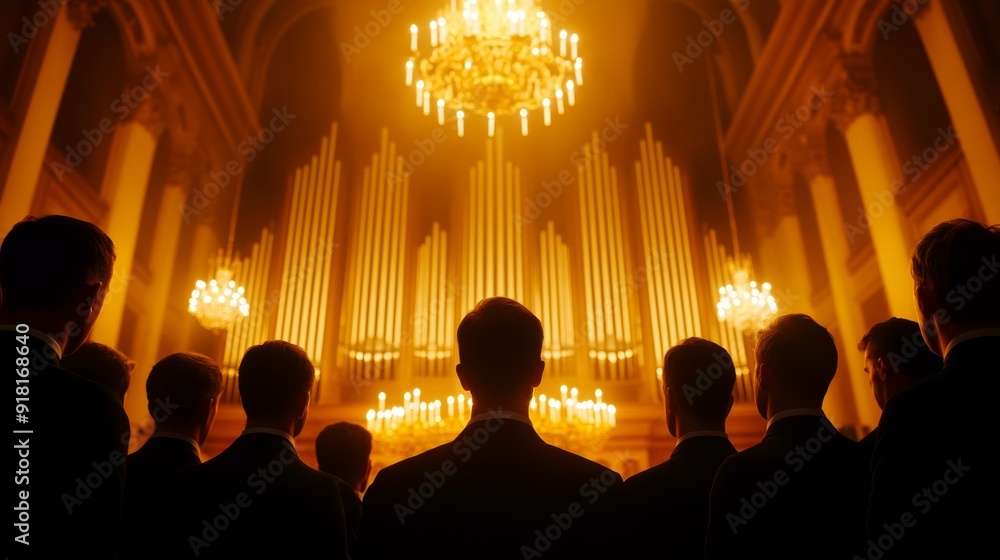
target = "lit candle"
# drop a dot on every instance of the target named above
(461, 406)
(534, 404)
(440, 105)
(547, 111)
(423, 413)
(573, 40)
(437, 411)
(427, 102)
(420, 92)
(381, 402)
(612, 411)
(416, 400)
(569, 92)
(553, 410)
(579, 70)
(562, 43)
(371, 419)
(460, 115)
(524, 122)
(413, 37)
(597, 416)
(560, 107)
(378, 425)
(563, 391)
(599, 393)
(570, 409)
(406, 406)
(491, 126)
(451, 406)
(434, 33)
(409, 72)
(442, 30)
(541, 404)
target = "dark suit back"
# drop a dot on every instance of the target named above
(77, 457)
(799, 493)
(497, 491)
(148, 469)
(664, 511)
(256, 497)
(934, 472)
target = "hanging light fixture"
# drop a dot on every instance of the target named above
(219, 302)
(742, 302)
(494, 58)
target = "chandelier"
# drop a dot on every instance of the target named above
(741, 302)
(418, 424)
(494, 58)
(218, 302)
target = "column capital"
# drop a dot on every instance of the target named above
(81, 12)
(856, 91)
(149, 113)
(808, 151)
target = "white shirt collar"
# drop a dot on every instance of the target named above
(701, 433)
(975, 333)
(40, 336)
(271, 431)
(818, 412)
(186, 439)
(501, 414)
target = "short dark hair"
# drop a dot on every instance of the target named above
(45, 261)
(800, 352)
(272, 376)
(692, 358)
(343, 450)
(188, 379)
(952, 255)
(103, 365)
(498, 342)
(899, 343)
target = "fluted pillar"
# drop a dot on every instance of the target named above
(813, 162)
(126, 181)
(968, 114)
(857, 113)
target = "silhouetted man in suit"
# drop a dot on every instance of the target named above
(934, 472)
(896, 357)
(498, 490)
(182, 393)
(103, 365)
(665, 509)
(257, 497)
(344, 450)
(800, 492)
(54, 274)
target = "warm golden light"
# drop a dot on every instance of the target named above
(220, 301)
(494, 58)
(744, 304)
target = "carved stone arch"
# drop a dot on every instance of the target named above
(862, 28)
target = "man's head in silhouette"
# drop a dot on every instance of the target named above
(796, 362)
(54, 274)
(103, 365)
(956, 281)
(691, 405)
(500, 355)
(896, 357)
(275, 381)
(183, 390)
(344, 450)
